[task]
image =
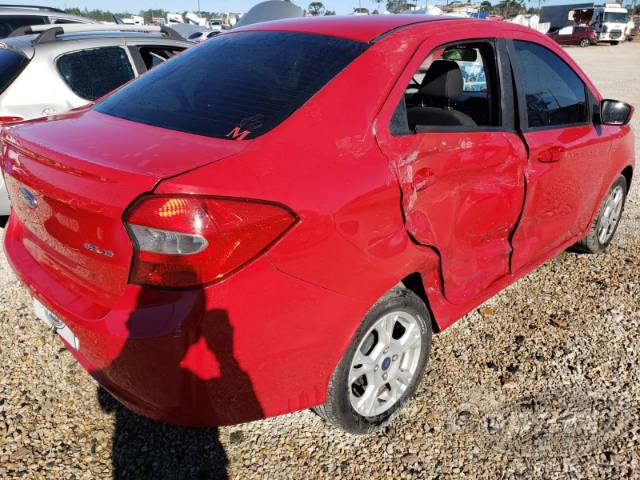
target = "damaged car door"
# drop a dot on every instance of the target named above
(459, 161)
(567, 152)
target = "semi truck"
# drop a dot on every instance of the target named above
(609, 21)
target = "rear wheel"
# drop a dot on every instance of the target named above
(383, 365)
(584, 42)
(606, 223)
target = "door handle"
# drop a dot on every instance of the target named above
(422, 179)
(553, 154)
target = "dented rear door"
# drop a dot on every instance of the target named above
(463, 188)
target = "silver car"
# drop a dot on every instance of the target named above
(53, 69)
(13, 17)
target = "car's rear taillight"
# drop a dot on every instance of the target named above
(11, 119)
(186, 241)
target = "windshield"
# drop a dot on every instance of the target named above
(616, 17)
(234, 86)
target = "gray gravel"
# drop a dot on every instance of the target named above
(541, 382)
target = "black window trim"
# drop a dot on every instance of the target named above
(520, 94)
(504, 89)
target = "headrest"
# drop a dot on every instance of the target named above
(443, 80)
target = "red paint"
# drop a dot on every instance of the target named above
(470, 212)
(577, 35)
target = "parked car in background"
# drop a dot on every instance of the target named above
(13, 17)
(199, 37)
(575, 35)
(220, 241)
(46, 70)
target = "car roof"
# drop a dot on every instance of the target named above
(360, 28)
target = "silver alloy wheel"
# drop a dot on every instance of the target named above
(610, 214)
(385, 363)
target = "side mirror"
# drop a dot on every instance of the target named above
(613, 112)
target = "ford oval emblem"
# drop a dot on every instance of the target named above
(28, 198)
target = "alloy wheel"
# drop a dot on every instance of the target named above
(611, 214)
(385, 363)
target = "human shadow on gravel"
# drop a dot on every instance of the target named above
(190, 362)
(147, 449)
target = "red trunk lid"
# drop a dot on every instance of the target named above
(70, 181)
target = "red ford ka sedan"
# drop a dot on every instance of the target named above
(279, 218)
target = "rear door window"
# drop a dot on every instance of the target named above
(96, 72)
(238, 85)
(157, 55)
(11, 64)
(9, 23)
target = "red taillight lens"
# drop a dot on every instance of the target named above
(10, 119)
(185, 241)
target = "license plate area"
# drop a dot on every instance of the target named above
(54, 323)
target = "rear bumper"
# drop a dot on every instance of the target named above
(259, 344)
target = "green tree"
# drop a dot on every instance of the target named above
(510, 8)
(399, 6)
(316, 8)
(329, 12)
(485, 6)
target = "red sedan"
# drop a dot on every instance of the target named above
(575, 35)
(279, 218)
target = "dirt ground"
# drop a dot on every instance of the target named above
(542, 382)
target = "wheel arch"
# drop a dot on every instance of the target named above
(627, 173)
(415, 283)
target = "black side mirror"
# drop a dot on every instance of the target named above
(613, 112)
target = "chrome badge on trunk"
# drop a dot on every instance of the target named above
(28, 198)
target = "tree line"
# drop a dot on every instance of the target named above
(505, 8)
(148, 15)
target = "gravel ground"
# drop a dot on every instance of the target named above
(541, 382)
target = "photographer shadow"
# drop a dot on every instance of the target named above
(207, 372)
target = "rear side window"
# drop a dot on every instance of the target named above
(154, 56)
(9, 23)
(11, 64)
(237, 86)
(94, 73)
(554, 93)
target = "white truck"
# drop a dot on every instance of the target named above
(610, 21)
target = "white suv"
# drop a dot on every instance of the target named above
(13, 17)
(47, 69)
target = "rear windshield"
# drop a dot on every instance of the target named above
(11, 64)
(235, 86)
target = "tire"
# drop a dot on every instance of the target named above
(346, 406)
(615, 43)
(595, 241)
(584, 42)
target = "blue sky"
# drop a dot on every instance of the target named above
(340, 6)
